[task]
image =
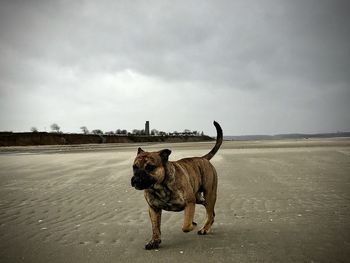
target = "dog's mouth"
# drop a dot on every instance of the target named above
(142, 183)
(140, 187)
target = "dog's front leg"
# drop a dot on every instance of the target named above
(155, 216)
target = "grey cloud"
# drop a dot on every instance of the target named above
(270, 58)
(207, 42)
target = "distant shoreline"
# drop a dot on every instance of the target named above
(44, 138)
(287, 136)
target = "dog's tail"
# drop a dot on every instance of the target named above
(213, 151)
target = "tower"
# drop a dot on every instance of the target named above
(147, 128)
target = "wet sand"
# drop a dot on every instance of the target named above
(278, 201)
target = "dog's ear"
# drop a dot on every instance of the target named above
(164, 154)
(139, 150)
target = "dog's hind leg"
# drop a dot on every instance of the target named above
(209, 207)
(210, 219)
(210, 200)
(188, 224)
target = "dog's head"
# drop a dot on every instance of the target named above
(149, 168)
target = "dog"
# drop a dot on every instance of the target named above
(177, 186)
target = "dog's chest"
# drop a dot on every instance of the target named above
(164, 198)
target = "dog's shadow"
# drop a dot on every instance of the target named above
(221, 236)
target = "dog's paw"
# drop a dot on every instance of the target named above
(153, 244)
(202, 232)
(187, 229)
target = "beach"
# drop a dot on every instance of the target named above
(278, 201)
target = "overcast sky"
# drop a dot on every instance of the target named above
(257, 67)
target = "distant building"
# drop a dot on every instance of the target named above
(147, 128)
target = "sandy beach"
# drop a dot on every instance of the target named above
(278, 201)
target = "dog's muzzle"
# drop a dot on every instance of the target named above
(141, 180)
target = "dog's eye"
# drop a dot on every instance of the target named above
(150, 167)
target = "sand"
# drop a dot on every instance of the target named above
(278, 201)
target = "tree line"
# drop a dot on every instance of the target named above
(154, 132)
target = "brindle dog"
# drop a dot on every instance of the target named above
(177, 186)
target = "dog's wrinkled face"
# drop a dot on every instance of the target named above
(148, 168)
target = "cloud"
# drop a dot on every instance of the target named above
(260, 67)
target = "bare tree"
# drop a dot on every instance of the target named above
(84, 129)
(97, 131)
(154, 132)
(186, 132)
(55, 128)
(34, 129)
(136, 132)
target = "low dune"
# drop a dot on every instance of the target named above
(278, 201)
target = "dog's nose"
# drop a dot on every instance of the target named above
(133, 181)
